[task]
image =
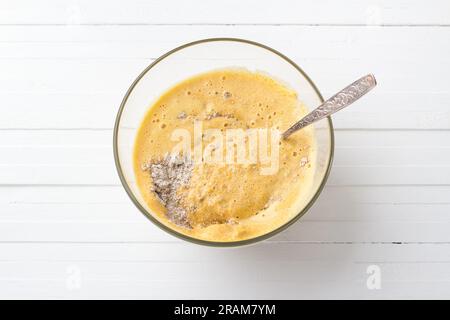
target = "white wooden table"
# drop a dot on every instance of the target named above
(68, 230)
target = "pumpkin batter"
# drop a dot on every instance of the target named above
(228, 200)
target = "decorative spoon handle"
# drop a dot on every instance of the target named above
(340, 100)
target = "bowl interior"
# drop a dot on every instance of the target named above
(202, 56)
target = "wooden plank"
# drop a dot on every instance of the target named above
(304, 231)
(34, 155)
(85, 157)
(110, 204)
(105, 174)
(80, 75)
(343, 138)
(264, 252)
(182, 270)
(381, 12)
(350, 214)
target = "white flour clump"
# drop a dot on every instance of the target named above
(169, 175)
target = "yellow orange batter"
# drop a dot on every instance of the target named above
(227, 201)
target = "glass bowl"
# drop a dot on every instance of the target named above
(202, 56)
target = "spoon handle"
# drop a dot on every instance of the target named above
(340, 100)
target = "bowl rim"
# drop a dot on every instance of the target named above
(184, 236)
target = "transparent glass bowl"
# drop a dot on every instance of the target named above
(202, 56)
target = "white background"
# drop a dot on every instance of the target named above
(68, 230)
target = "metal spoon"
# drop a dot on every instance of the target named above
(340, 100)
